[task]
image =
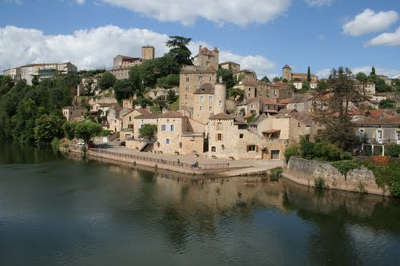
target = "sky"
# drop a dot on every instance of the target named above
(262, 35)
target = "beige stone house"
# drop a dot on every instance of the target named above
(208, 100)
(72, 113)
(231, 66)
(248, 87)
(246, 75)
(381, 130)
(207, 59)
(299, 102)
(288, 75)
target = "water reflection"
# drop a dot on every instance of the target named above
(91, 213)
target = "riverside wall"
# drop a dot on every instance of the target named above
(306, 172)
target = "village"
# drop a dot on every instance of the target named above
(258, 121)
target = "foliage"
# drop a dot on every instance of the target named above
(174, 106)
(55, 144)
(393, 151)
(48, 127)
(171, 97)
(179, 50)
(142, 101)
(22, 107)
(308, 74)
(167, 82)
(322, 151)
(106, 81)
(227, 77)
(276, 79)
(148, 131)
(319, 184)
(251, 118)
(235, 94)
(398, 110)
(86, 130)
(265, 79)
(292, 150)
(69, 130)
(387, 104)
(123, 90)
(346, 166)
(388, 175)
(276, 173)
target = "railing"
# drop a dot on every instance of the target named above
(175, 163)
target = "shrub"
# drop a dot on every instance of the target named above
(393, 151)
(148, 131)
(319, 183)
(276, 173)
(292, 150)
(346, 166)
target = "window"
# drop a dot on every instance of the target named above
(201, 108)
(187, 79)
(167, 141)
(210, 108)
(180, 145)
(213, 149)
(172, 128)
(130, 119)
(163, 128)
(219, 126)
(241, 136)
(201, 98)
(210, 99)
(219, 137)
(251, 148)
(298, 124)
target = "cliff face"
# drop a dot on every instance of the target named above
(307, 172)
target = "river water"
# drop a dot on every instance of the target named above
(58, 211)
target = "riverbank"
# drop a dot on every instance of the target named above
(189, 165)
(323, 175)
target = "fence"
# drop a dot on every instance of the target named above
(175, 163)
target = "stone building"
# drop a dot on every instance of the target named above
(122, 65)
(288, 75)
(249, 87)
(277, 90)
(299, 102)
(207, 59)
(40, 71)
(148, 52)
(176, 134)
(208, 100)
(246, 75)
(73, 113)
(192, 78)
(231, 66)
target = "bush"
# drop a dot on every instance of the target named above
(388, 175)
(322, 151)
(393, 151)
(148, 131)
(346, 166)
(319, 183)
(387, 104)
(292, 150)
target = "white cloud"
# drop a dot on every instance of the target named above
(318, 3)
(324, 73)
(386, 39)
(241, 12)
(369, 21)
(95, 48)
(80, 2)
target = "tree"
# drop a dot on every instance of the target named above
(123, 90)
(48, 127)
(69, 130)
(142, 101)
(309, 74)
(148, 131)
(276, 79)
(179, 50)
(373, 72)
(106, 81)
(387, 104)
(265, 79)
(86, 130)
(227, 77)
(336, 117)
(363, 79)
(171, 97)
(167, 82)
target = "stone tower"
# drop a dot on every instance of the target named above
(207, 59)
(287, 73)
(220, 98)
(148, 52)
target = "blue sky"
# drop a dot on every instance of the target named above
(260, 34)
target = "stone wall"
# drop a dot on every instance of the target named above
(305, 172)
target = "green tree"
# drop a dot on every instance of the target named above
(265, 79)
(86, 130)
(167, 82)
(276, 79)
(69, 130)
(123, 90)
(179, 50)
(227, 77)
(309, 74)
(148, 131)
(106, 81)
(171, 97)
(387, 104)
(48, 127)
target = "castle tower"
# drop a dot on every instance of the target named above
(287, 73)
(220, 98)
(148, 52)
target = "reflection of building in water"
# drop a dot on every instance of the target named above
(219, 194)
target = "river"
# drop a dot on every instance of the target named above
(59, 211)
